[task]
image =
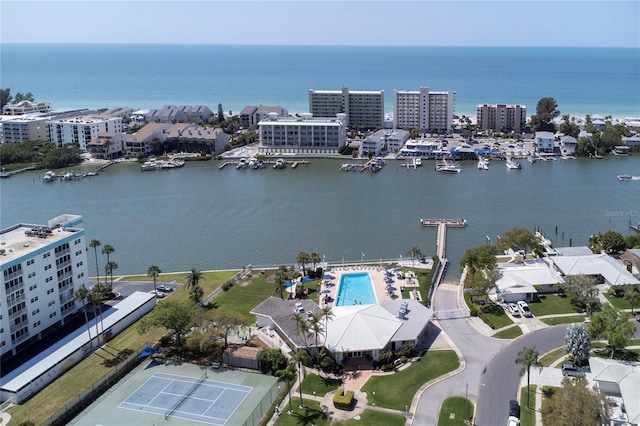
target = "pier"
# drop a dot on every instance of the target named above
(236, 163)
(441, 242)
(4, 174)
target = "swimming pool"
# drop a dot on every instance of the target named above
(355, 289)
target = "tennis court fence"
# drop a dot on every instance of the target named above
(264, 405)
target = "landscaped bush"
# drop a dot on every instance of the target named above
(407, 350)
(473, 309)
(343, 400)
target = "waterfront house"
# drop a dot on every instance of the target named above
(631, 141)
(525, 280)
(601, 266)
(568, 144)
(545, 142)
(139, 143)
(107, 145)
(631, 261)
(619, 382)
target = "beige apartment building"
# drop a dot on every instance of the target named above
(423, 109)
(502, 117)
(362, 108)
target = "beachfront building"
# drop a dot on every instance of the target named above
(364, 109)
(424, 110)
(384, 141)
(545, 142)
(305, 134)
(179, 114)
(568, 144)
(190, 137)
(20, 128)
(251, 115)
(26, 107)
(501, 117)
(82, 130)
(42, 266)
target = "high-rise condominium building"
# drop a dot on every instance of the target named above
(502, 117)
(362, 108)
(423, 110)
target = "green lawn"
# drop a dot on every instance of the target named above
(552, 356)
(619, 302)
(552, 304)
(527, 416)
(320, 385)
(376, 418)
(563, 320)
(66, 388)
(509, 333)
(310, 414)
(396, 390)
(454, 411)
(494, 316)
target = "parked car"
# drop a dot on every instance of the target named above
(514, 408)
(165, 288)
(512, 308)
(569, 370)
(513, 421)
(638, 317)
(158, 294)
(524, 309)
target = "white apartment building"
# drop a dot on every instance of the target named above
(305, 134)
(251, 115)
(362, 108)
(385, 140)
(42, 266)
(26, 107)
(501, 117)
(20, 128)
(82, 130)
(423, 109)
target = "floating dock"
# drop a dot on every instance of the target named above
(453, 223)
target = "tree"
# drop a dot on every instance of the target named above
(193, 278)
(483, 281)
(528, 357)
(577, 343)
(302, 328)
(225, 322)
(82, 294)
(316, 328)
(108, 249)
(519, 238)
(23, 97)
(108, 270)
(612, 242)
(569, 127)
(303, 260)
(282, 275)
(300, 357)
(172, 315)
(583, 288)
(153, 272)
(613, 326)
(478, 258)
(5, 97)
(575, 404)
(546, 111)
(287, 375)
(415, 253)
(94, 244)
(220, 114)
(96, 294)
(315, 258)
(271, 360)
(632, 295)
(195, 293)
(327, 313)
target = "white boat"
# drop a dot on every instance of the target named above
(242, 163)
(512, 164)
(447, 167)
(49, 176)
(483, 163)
(625, 176)
(417, 162)
(150, 164)
(69, 175)
(280, 164)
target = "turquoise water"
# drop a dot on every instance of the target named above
(601, 81)
(355, 289)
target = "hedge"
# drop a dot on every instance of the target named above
(343, 400)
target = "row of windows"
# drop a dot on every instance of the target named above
(35, 312)
(34, 299)
(61, 247)
(53, 314)
(15, 297)
(13, 284)
(47, 254)
(17, 308)
(19, 333)
(77, 241)
(30, 262)
(12, 270)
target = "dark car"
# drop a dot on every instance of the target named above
(514, 408)
(570, 370)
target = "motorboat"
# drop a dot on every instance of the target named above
(242, 163)
(512, 164)
(148, 165)
(483, 164)
(280, 164)
(447, 167)
(625, 176)
(417, 162)
(49, 177)
(69, 175)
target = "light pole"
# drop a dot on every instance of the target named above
(374, 399)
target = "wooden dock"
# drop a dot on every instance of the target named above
(4, 174)
(441, 244)
(453, 223)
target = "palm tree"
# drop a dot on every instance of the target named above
(287, 375)
(95, 298)
(153, 272)
(414, 253)
(280, 280)
(94, 244)
(315, 258)
(303, 259)
(316, 328)
(82, 294)
(528, 357)
(327, 313)
(302, 328)
(108, 270)
(108, 249)
(193, 278)
(195, 293)
(299, 357)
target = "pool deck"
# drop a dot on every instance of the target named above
(376, 274)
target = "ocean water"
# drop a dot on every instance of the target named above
(602, 81)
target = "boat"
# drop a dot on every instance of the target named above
(150, 164)
(625, 176)
(417, 162)
(512, 164)
(280, 164)
(69, 175)
(483, 163)
(531, 159)
(597, 156)
(49, 176)
(447, 167)
(242, 163)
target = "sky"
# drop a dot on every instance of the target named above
(330, 22)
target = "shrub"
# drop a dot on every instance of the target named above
(473, 309)
(343, 400)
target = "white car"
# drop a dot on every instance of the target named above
(524, 309)
(513, 421)
(512, 308)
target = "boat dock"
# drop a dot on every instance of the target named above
(441, 242)
(4, 174)
(453, 223)
(292, 163)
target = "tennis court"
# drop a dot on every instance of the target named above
(159, 393)
(188, 398)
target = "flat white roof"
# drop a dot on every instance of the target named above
(17, 243)
(60, 351)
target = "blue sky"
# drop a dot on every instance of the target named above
(304, 22)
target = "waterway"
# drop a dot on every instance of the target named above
(203, 217)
